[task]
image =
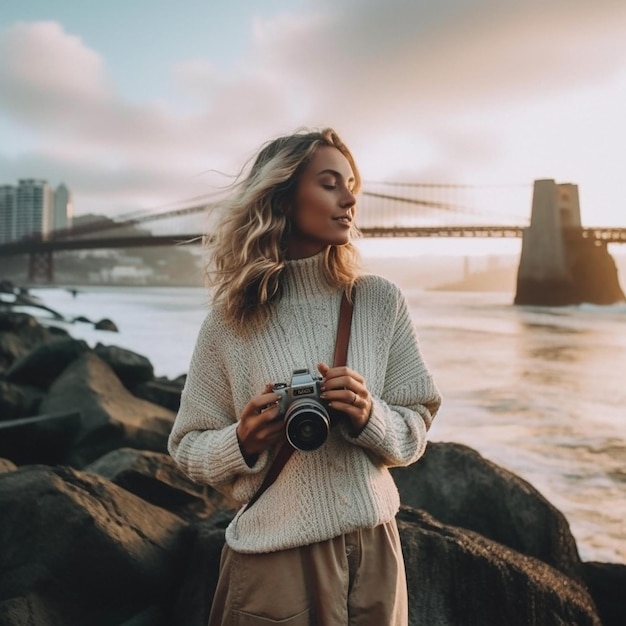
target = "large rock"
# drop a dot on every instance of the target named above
(112, 416)
(160, 391)
(607, 585)
(41, 366)
(18, 400)
(44, 439)
(591, 276)
(156, 478)
(11, 349)
(106, 324)
(131, 368)
(31, 609)
(29, 331)
(7, 465)
(459, 487)
(595, 273)
(21, 333)
(458, 577)
(77, 549)
(199, 581)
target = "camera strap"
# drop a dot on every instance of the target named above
(340, 358)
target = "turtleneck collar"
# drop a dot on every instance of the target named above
(304, 278)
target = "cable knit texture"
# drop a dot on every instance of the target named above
(345, 484)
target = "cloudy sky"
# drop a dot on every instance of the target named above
(134, 103)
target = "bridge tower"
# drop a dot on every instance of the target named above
(41, 267)
(558, 266)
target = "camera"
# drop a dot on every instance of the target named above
(307, 422)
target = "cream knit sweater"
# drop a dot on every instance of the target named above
(345, 484)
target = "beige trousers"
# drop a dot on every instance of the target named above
(357, 579)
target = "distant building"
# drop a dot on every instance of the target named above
(62, 209)
(33, 208)
(33, 213)
(8, 194)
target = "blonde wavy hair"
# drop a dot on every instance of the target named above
(246, 251)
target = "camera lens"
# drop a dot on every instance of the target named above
(306, 425)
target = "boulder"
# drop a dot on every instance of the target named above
(6, 465)
(607, 585)
(199, 580)
(6, 286)
(30, 609)
(459, 487)
(106, 324)
(18, 401)
(44, 363)
(77, 549)
(45, 439)
(57, 332)
(131, 368)
(11, 349)
(30, 332)
(112, 416)
(155, 478)
(150, 616)
(160, 391)
(456, 576)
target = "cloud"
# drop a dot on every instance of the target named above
(405, 59)
(44, 72)
(392, 77)
(427, 71)
(55, 87)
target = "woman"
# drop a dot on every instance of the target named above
(320, 546)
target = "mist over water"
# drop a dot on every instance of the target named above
(539, 391)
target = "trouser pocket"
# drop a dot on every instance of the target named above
(241, 618)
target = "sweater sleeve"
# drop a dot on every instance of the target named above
(203, 441)
(402, 413)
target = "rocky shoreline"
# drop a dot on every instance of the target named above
(99, 527)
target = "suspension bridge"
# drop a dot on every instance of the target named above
(384, 209)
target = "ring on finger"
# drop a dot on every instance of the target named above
(354, 399)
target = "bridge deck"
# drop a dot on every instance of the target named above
(28, 246)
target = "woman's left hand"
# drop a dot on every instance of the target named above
(345, 390)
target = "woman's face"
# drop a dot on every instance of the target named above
(324, 204)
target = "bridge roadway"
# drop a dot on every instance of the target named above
(36, 246)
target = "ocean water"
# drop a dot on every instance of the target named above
(539, 391)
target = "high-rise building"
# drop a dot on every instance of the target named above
(8, 195)
(33, 208)
(63, 210)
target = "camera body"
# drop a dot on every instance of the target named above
(307, 422)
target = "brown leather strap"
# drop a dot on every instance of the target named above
(343, 332)
(340, 358)
(282, 456)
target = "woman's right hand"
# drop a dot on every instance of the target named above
(259, 425)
